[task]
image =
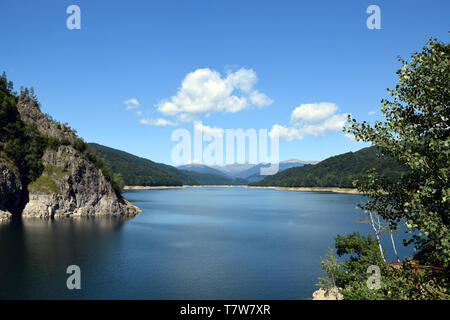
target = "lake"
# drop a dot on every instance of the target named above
(190, 243)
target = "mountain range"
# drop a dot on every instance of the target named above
(246, 171)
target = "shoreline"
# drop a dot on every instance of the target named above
(181, 187)
(304, 189)
(310, 189)
(151, 187)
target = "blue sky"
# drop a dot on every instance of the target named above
(274, 56)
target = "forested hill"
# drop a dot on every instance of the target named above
(337, 171)
(137, 171)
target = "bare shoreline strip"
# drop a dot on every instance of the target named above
(312, 189)
(151, 187)
(305, 189)
(179, 187)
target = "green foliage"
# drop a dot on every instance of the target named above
(119, 183)
(331, 268)
(338, 171)
(80, 145)
(396, 282)
(416, 134)
(362, 252)
(351, 276)
(22, 144)
(53, 143)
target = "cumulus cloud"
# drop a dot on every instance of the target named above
(209, 131)
(315, 119)
(313, 112)
(131, 104)
(260, 99)
(371, 113)
(160, 122)
(350, 137)
(205, 91)
(286, 133)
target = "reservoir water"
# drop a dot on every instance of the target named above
(190, 243)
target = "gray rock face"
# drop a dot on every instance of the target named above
(11, 190)
(72, 186)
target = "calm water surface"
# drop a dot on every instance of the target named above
(192, 243)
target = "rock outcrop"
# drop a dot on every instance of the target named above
(70, 184)
(332, 294)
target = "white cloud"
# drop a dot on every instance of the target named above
(371, 113)
(205, 91)
(350, 137)
(243, 79)
(333, 124)
(260, 99)
(131, 103)
(314, 119)
(160, 122)
(286, 133)
(208, 131)
(313, 112)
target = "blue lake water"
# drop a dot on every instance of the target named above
(191, 243)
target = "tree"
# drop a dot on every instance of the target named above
(416, 134)
(331, 268)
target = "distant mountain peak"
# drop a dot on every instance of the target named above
(292, 161)
(300, 161)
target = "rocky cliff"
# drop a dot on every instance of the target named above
(70, 183)
(12, 193)
(71, 186)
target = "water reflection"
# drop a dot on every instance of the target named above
(34, 252)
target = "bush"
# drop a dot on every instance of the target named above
(23, 144)
(397, 282)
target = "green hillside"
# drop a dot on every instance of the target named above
(338, 171)
(138, 171)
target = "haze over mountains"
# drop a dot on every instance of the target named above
(246, 171)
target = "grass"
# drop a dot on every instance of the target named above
(46, 182)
